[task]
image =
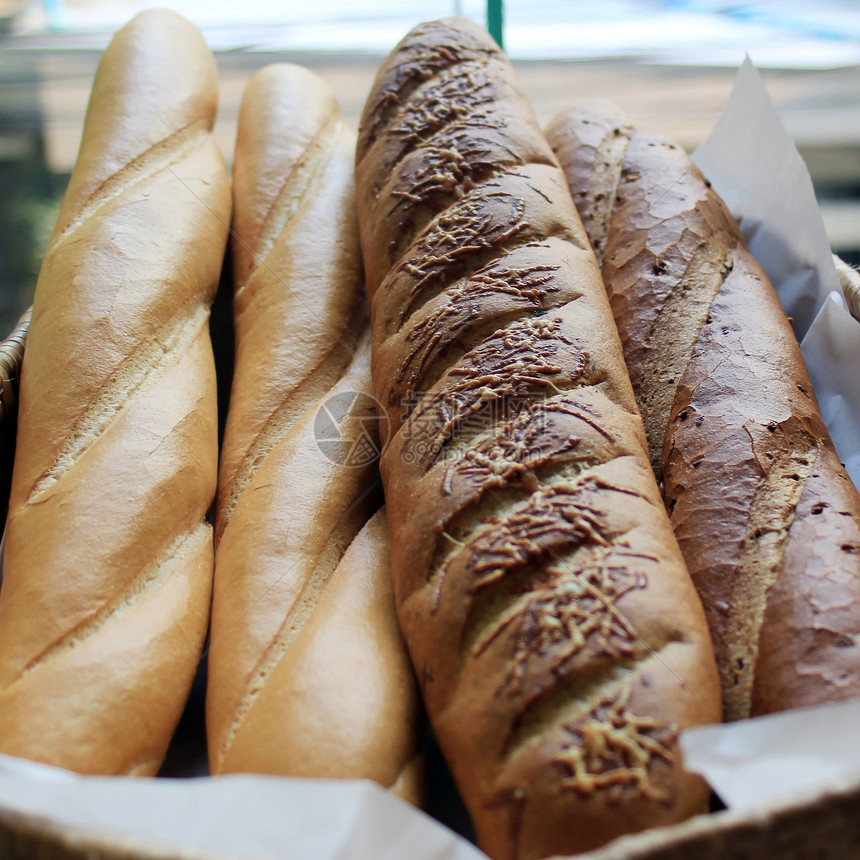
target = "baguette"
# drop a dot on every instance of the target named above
(557, 638)
(108, 560)
(308, 673)
(767, 518)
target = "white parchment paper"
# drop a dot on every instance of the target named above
(756, 761)
(752, 162)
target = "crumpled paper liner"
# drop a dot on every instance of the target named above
(752, 162)
(755, 761)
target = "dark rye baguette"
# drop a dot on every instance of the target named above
(556, 634)
(108, 563)
(765, 514)
(308, 673)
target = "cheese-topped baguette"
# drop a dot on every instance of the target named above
(308, 673)
(108, 565)
(556, 634)
(766, 516)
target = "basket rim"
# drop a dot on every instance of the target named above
(82, 841)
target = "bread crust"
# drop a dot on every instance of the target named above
(108, 560)
(545, 603)
(766, 516)
(308, 673)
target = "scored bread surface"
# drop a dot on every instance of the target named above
(767, 518)
(558, 640)
(308, 673)
(108, 558)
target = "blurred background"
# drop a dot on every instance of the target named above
(669, 65)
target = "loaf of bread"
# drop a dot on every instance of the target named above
(308, 673)
(108, 564)
(766, 517)
(556, 634)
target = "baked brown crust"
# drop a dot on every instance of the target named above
(108, 561)
(766, 516)
(308, 673)
(556, 634)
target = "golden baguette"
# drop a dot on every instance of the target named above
(108, 563)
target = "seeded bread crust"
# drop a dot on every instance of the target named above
(766, 516)
(556, 634)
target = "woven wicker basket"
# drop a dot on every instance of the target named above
(850, 280)
(11, 355)
(809, 825)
